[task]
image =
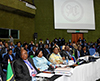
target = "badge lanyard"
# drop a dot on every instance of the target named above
(29, 64)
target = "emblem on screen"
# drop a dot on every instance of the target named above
(72, 10)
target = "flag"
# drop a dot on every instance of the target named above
(73, 55)
(10, 75)
(73, 58)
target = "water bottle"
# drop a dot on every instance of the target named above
(67, 61)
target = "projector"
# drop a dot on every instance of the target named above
(30, 6)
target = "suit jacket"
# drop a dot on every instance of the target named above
(5, 60)
(21, 70)
(17, 50)
(45, 52)
(3, 50)
(47, 41)
(65, 54)
(84, 54)
(29, 47)
(76, 54)
(41, 46)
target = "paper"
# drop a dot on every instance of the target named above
(64, 71)
(60, 65)
(45, 75)
(71, 62)
(81, 58)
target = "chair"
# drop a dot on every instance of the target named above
(13, 50)
(15, 45)
(31, 48)
(47, 56)
(4, 70)
(14, 54)
(13, 67)
(91, 51)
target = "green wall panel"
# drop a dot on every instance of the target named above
(14, 21)
(94, 35)
(44, 22)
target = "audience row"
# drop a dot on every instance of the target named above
(30, 59)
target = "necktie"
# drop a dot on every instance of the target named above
(29, 64)
(78, 54)
(68, 54)
(48, 51)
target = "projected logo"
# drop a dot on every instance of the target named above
(72, 10)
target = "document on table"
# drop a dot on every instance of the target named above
(64, 71)
(45, 75)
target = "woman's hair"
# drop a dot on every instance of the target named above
(37, 52)
(9, 50)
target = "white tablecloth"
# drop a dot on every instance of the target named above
(85, 72)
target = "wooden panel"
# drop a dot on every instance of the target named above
(80, 35)
(76, 36)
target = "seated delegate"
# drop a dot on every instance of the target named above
(24, 68)
(55, 57)
(41, 63)
(66, 53)
(85, 52)
(9, 56)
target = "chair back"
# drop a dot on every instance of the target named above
(91, 51)
(14, 54)
(13, 67)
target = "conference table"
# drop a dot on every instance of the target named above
(85, 72)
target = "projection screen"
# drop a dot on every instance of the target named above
(74, 14)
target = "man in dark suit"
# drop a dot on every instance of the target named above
(4, 49)
(32, 53)
(78, 52)
(17, 50)
(30, 45)
(63, 41)
(98, 40)
(66, 53)
(46, 51)
(85, 52)
(41, 46)
(47, 41)
(59, 42)
(24, 68)
(10, 56)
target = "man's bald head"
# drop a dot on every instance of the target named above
(24, 54)
(66, 48)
